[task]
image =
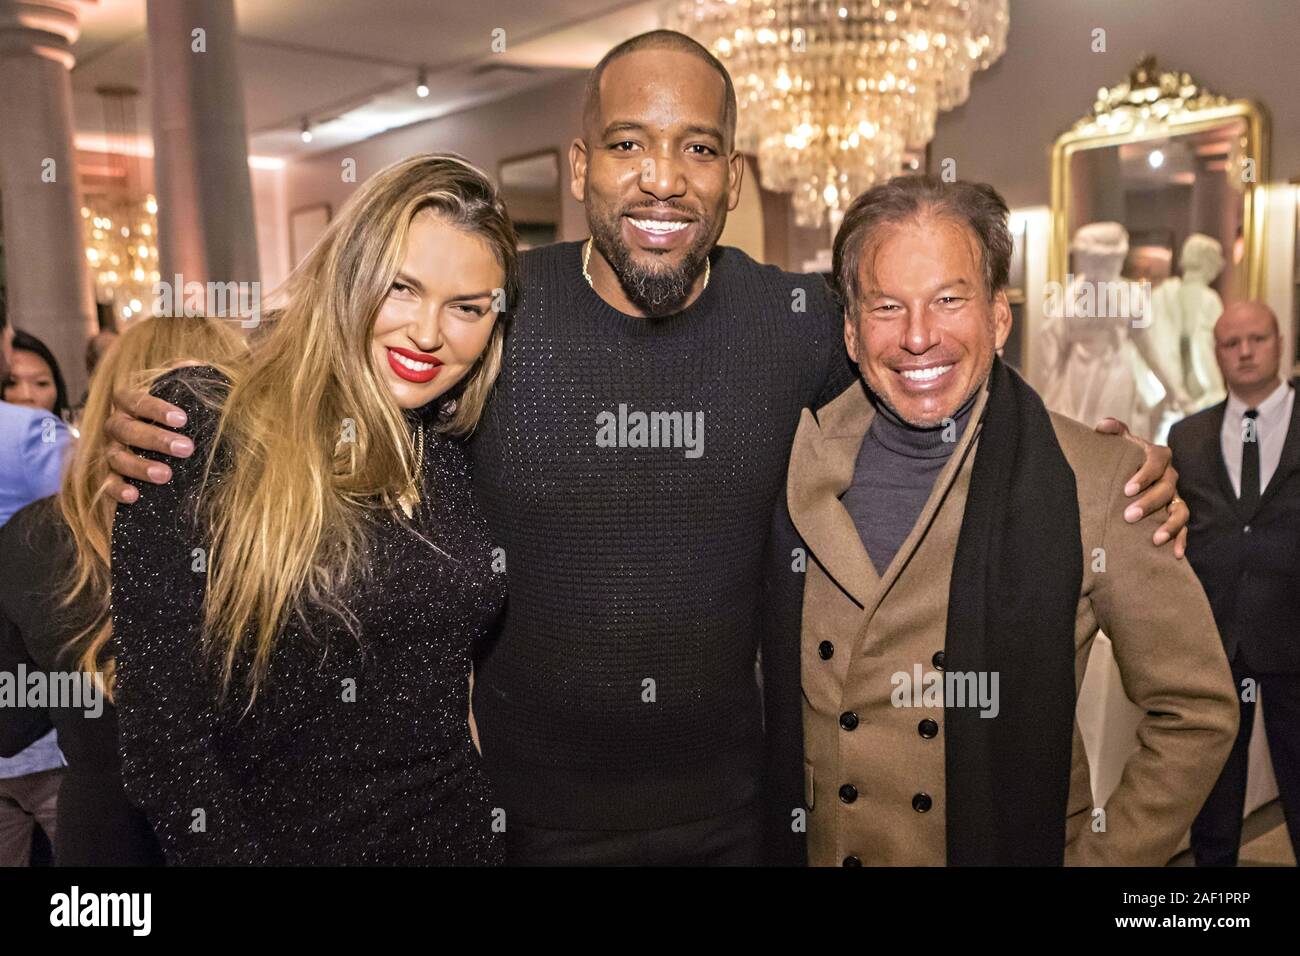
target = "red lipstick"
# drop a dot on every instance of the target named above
(417, 375)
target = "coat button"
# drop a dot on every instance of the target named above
(921, 803)
(849, 720)
(825, 650)
(937, 660)
(848, 793)
(851, 861)
(928, 728)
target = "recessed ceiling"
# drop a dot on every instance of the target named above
(350, 66)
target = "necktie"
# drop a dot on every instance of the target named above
(1249, 496)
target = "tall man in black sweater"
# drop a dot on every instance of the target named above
(628, 464)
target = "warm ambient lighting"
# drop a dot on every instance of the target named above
(122, 251)
(142, 146)
(833, 96)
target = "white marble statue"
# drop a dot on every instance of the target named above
(1094, 353)
(1183, 311)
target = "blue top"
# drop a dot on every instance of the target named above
(32, 448)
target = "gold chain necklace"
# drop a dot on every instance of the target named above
(409, 498)
(586, 258)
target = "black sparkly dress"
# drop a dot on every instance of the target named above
(357, 749)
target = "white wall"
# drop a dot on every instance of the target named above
(543, 118)
(271, 215)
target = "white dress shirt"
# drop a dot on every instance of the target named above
(1271, 427)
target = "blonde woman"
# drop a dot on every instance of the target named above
(54, 604)
(294, 611)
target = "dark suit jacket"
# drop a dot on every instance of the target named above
(1249, 564)
(97, 825)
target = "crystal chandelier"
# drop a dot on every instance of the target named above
(832, 95)
(122, 252)
(120, 223)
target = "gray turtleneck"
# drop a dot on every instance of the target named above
(895, 472)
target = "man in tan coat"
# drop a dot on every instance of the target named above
(961, 549)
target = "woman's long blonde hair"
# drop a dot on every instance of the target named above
(145, 351)
(313, 436)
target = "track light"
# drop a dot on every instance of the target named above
(422, 84)
(306, 130)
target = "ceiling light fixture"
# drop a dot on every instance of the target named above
(832, 96)
(422, 84)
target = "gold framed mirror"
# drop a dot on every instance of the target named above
(1295, 278)
(1211, 149)
(1157, 206)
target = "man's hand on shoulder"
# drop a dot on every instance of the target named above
(1157, 483)
(136, 424)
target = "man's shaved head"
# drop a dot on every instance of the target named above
(657, 40)
(1248, 347)
(1246, 312)
(656, 170)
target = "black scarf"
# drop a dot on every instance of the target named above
(1011, 605)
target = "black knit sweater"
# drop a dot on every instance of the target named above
(620, 692)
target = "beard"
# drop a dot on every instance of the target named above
(657, 290)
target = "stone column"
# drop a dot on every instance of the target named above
(46, 279)
(205, 201)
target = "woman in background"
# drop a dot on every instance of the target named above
(34, 378)
(294, 611)
(54, 604)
